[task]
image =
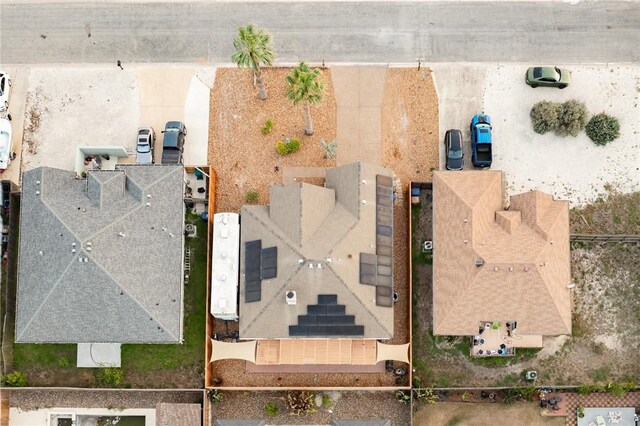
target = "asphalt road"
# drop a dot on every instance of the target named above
(532, 32)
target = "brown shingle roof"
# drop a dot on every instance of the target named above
(525, 251)
(311, 224)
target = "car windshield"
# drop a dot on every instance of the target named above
(455, 155)
(172, 129)
(143, 147)
(484, 130)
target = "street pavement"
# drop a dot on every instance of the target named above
(369, 32)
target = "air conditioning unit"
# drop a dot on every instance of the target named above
(290, 296)
(427, 246)
(531, 375)
(190, 230)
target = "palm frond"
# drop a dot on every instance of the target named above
(304, 85)
(253, 48)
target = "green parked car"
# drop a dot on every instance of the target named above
(548, 76)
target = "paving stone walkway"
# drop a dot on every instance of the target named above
(571, 401)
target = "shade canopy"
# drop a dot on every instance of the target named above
(392, 352)
(241, 350)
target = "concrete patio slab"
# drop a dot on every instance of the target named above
(95, 355)
(359, 92)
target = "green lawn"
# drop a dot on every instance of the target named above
(148, 358)
(169, 365)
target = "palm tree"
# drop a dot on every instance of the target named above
(253, 49)
(304, 86)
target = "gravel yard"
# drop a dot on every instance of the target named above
(246, 160)
(355, 405)
(34, 399)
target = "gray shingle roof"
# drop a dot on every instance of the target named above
(96, 264)
(313, 224)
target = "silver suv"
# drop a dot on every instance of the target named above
(144, 146)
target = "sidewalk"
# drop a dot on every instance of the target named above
(359, 91)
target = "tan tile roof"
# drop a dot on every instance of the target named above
(525, 251)
(313, 223)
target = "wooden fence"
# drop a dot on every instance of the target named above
(612, 238)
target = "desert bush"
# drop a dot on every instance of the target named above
(544, 116)
(287, 146)
(214, 395)
(572, 118)
(326, 401)
(64, 362)
(300, 402)
(426, 395)
(620, 389)
(15, 379)
(271, 409)
(603, 128)
(403, 397)
(252, 197)
(109, 376)
(267, 127)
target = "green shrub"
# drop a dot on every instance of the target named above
(572, 118)
(64, 362)
(620, 389)
(271, 409)
(403, 397)
(14, 379)
(544, 116)
(603, 128)
(326, 401)
(426, 395)
(287, 146)
(214, 395)
(267, 127)
(252, 197)
(109, 376)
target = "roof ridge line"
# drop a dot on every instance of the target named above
(152, 183)
(136, 301)
(66, 269)
(99, 231)
(358, 299)
(43, 201)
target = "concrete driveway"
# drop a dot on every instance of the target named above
(68, 107)
(569, 168)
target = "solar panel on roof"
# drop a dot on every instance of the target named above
(252, 270)
(268, 273)
(252, 296)
(383, 180)
(269, 252)
(327, 299)
(252, 286)
(297, 330)
(335, 309)
(307, 320)
(384, 260)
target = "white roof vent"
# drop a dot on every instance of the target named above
(290, 296)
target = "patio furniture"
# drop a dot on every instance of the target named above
(600, 421)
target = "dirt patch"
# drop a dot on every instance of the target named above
(243, 157)
(615, 213)
(410, 124)
(361, 405)
(467, 414)
(410, 149)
